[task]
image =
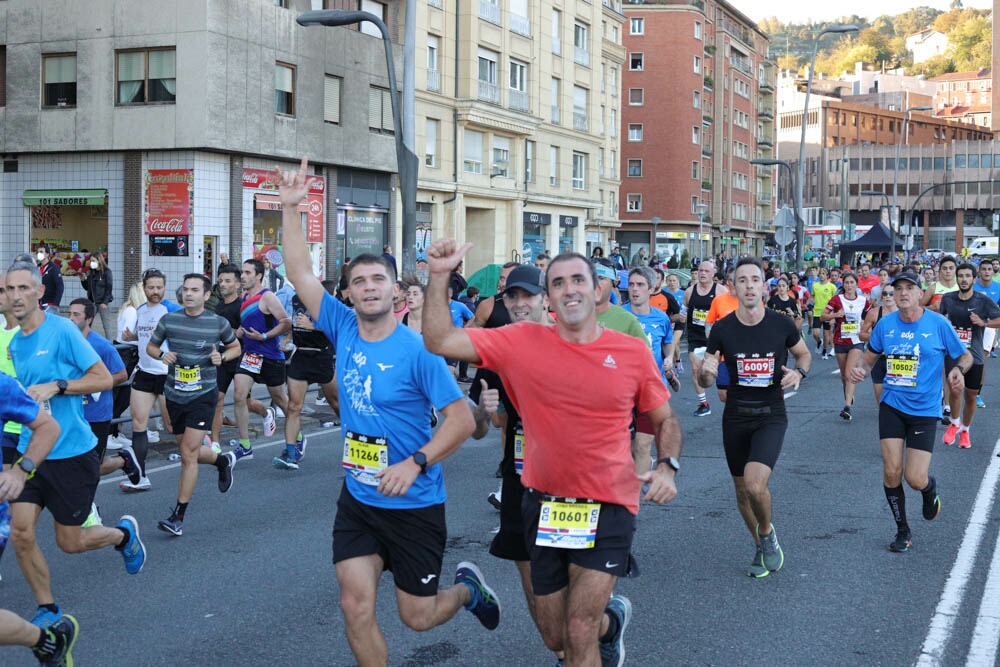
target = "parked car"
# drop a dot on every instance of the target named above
(935, 253)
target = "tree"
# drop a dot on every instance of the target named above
(935, 66)
(915, 20)
(969, 44)
(790, 62)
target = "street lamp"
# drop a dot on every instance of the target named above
(895, 180)
(800, 232)
(406, 160)
(701, 208)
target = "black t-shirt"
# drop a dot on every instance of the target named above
(787, 306)
(308, 338)
(513, 428)
(499, 317)
(754, 355)
(698, 307)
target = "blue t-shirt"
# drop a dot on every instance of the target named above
(171, 306)
(17, 406)
(99, 407)
(57, 350)
(658, 329)
(915, 353)
(460, 313)
(993, 291)
(387, 389)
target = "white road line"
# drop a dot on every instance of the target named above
(933, 650)
(837, 372)
(983, 650)
(790, 394)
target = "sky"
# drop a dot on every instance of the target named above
(797, 11)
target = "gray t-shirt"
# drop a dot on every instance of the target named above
(959, 313)
(192, 339)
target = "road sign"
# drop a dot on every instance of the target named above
(784, 235)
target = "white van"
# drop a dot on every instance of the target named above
(984, 246)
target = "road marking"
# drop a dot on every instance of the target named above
(933, 650)
(790, 394)
(983, 650)
(836, 372)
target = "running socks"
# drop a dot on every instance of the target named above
(897, 504)
(140, 445)
(245, 443)
(53, 607)
(702, 398)
(180, 510)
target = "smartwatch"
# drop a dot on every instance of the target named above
(802, 372)
(27, 465)
(62, 384)
(670, 461)
(421, 460)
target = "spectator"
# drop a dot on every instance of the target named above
(272, 278)
(99, 287)
(639, 258)
(387, 253)
(52, 279)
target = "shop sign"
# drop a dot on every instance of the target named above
(64, 197)
(168, 246)
(568, 221)
(169, 201)
(536, 218)
(314, 206)
(264, 179)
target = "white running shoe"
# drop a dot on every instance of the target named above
(117, 442)
(129, 487)
(152, 436)
(321, 400)
(270, 425)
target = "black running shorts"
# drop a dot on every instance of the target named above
(752, 431)
(612, 552)
(196, 415)
(224, 374)
(9, 446)
(101, 430)
(272, 372)
(409, 541)
(311, 367)
(65, 486)
(844, 349)
(149, 383)
(974, 378)
(915, 432)
(509, 543)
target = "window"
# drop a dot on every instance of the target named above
(633, 203)
(695, 170)
(603, 109)
(284, 89)
(613, 167)
(431, 142)
(556, 23)
(741, 87)
(694, 205)
(3, 76)
(489, 91)
(637, 26)
(614, 122)
(518, 82)
(740, 181)
(580, 121)
(331, 99)
(473, 152)
(600, 162)
(146, 77)
(376, 8)
(59, 80)
(500, 166)
(697, 65)
(433, 73)
(612, 205)
(614, 81)
(695, 135)
(634, 168)
(529, 161)
(635, 61)
(604, 76)
(581, 54)
(696, 100)
(635, 131)
(380, 110)
(555, 101)
(635, 97)
(553, 165)
(519, 21)
(579, 171)
(697, 29)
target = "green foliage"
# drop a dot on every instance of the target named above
(935, 66)
(969, 44)
(685, 259)
(672, 262)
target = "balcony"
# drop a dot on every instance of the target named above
(709, 82)
(706, 120)
(765, 86)
(765, 143)
(742, 65)
(520, 25)
(489, 92)
(706, 151)
(763, 197)
(614, 5)
(518, 100)
(580, 121)
(706, 185)
(556, 46)
(434, 80)
(581, 56)
(489, 11)
(766, 113)
(556, 116)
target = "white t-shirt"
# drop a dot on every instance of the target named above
(126, 320)
(147, 317)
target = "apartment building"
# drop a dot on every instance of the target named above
(518, 116)
(965, 96)
(699, 106)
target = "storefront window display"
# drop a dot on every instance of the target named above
(73, 232)
(267, 236)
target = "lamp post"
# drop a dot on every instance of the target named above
(800, 232)
(895, 180)
(402, 119)
(701, 208)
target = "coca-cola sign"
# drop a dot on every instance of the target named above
(167, 227)
(169, 201)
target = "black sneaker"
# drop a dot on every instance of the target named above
(59, 640)
(932, 502)
(946, 416)
(613, 651)
(173, 525)
(704, 409)
(845, 414)
(484, 604)
(226, 471)
(675, 385)
(131, 467)
(902, 543)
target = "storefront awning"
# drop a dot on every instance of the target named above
(64, 197)
(273, 203)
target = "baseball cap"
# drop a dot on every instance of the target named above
(909, 276)
(528, 277)
(605, 269)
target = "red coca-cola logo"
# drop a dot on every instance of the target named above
(172, 226)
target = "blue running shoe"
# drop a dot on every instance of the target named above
(300, 447)
(134, 552)
(242, 452)
(613, 651)
(979, 402)
(484, 604)
(59, 639)
(286, 460)
(43, 618)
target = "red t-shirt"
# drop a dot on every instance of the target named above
(575, 402)
(847, 328)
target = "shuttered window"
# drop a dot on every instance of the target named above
(379, 110)
(331, 99)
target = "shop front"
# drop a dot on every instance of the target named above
(268, 244)
(535, 229)
(74, 223)
(567, 229)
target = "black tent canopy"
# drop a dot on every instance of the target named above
(876, 239)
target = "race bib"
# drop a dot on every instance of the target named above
(699, 317)
(46, 406)
(365, 456)
(187, 378)
(850, 328)
(252, 362)
(965, 335)
(756, 372)
(518, 450)
(566, 524)
(901, 370)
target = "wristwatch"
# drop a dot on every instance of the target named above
(421, 460)
(62, 384)
(802, 372)
(27, 465)
(670, 461)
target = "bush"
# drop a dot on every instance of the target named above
(685, 259)
(672, 262)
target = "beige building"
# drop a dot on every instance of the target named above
(517, 125)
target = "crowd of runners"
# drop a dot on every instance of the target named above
(390, 356)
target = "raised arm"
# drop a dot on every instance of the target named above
(440, 337)
(293, 186)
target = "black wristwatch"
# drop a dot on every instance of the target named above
(802, 372)
(670, 461)
(62, 384)
(421, 460)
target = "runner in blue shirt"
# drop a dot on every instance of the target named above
(915, 342)
(57, 366)
(390, 514)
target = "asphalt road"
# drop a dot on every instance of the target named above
(251, 580)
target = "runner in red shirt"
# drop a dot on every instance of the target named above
(847, 311)
(580, 483)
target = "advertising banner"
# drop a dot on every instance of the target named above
(169, 201)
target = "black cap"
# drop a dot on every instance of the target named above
(908, 276)
(527, 277)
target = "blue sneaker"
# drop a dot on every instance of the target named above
(613, 651)
(242, 452)
(286, 460)
(979, 402)
(134, 552)
(43, 618)
(300, 447)
(484, 604)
